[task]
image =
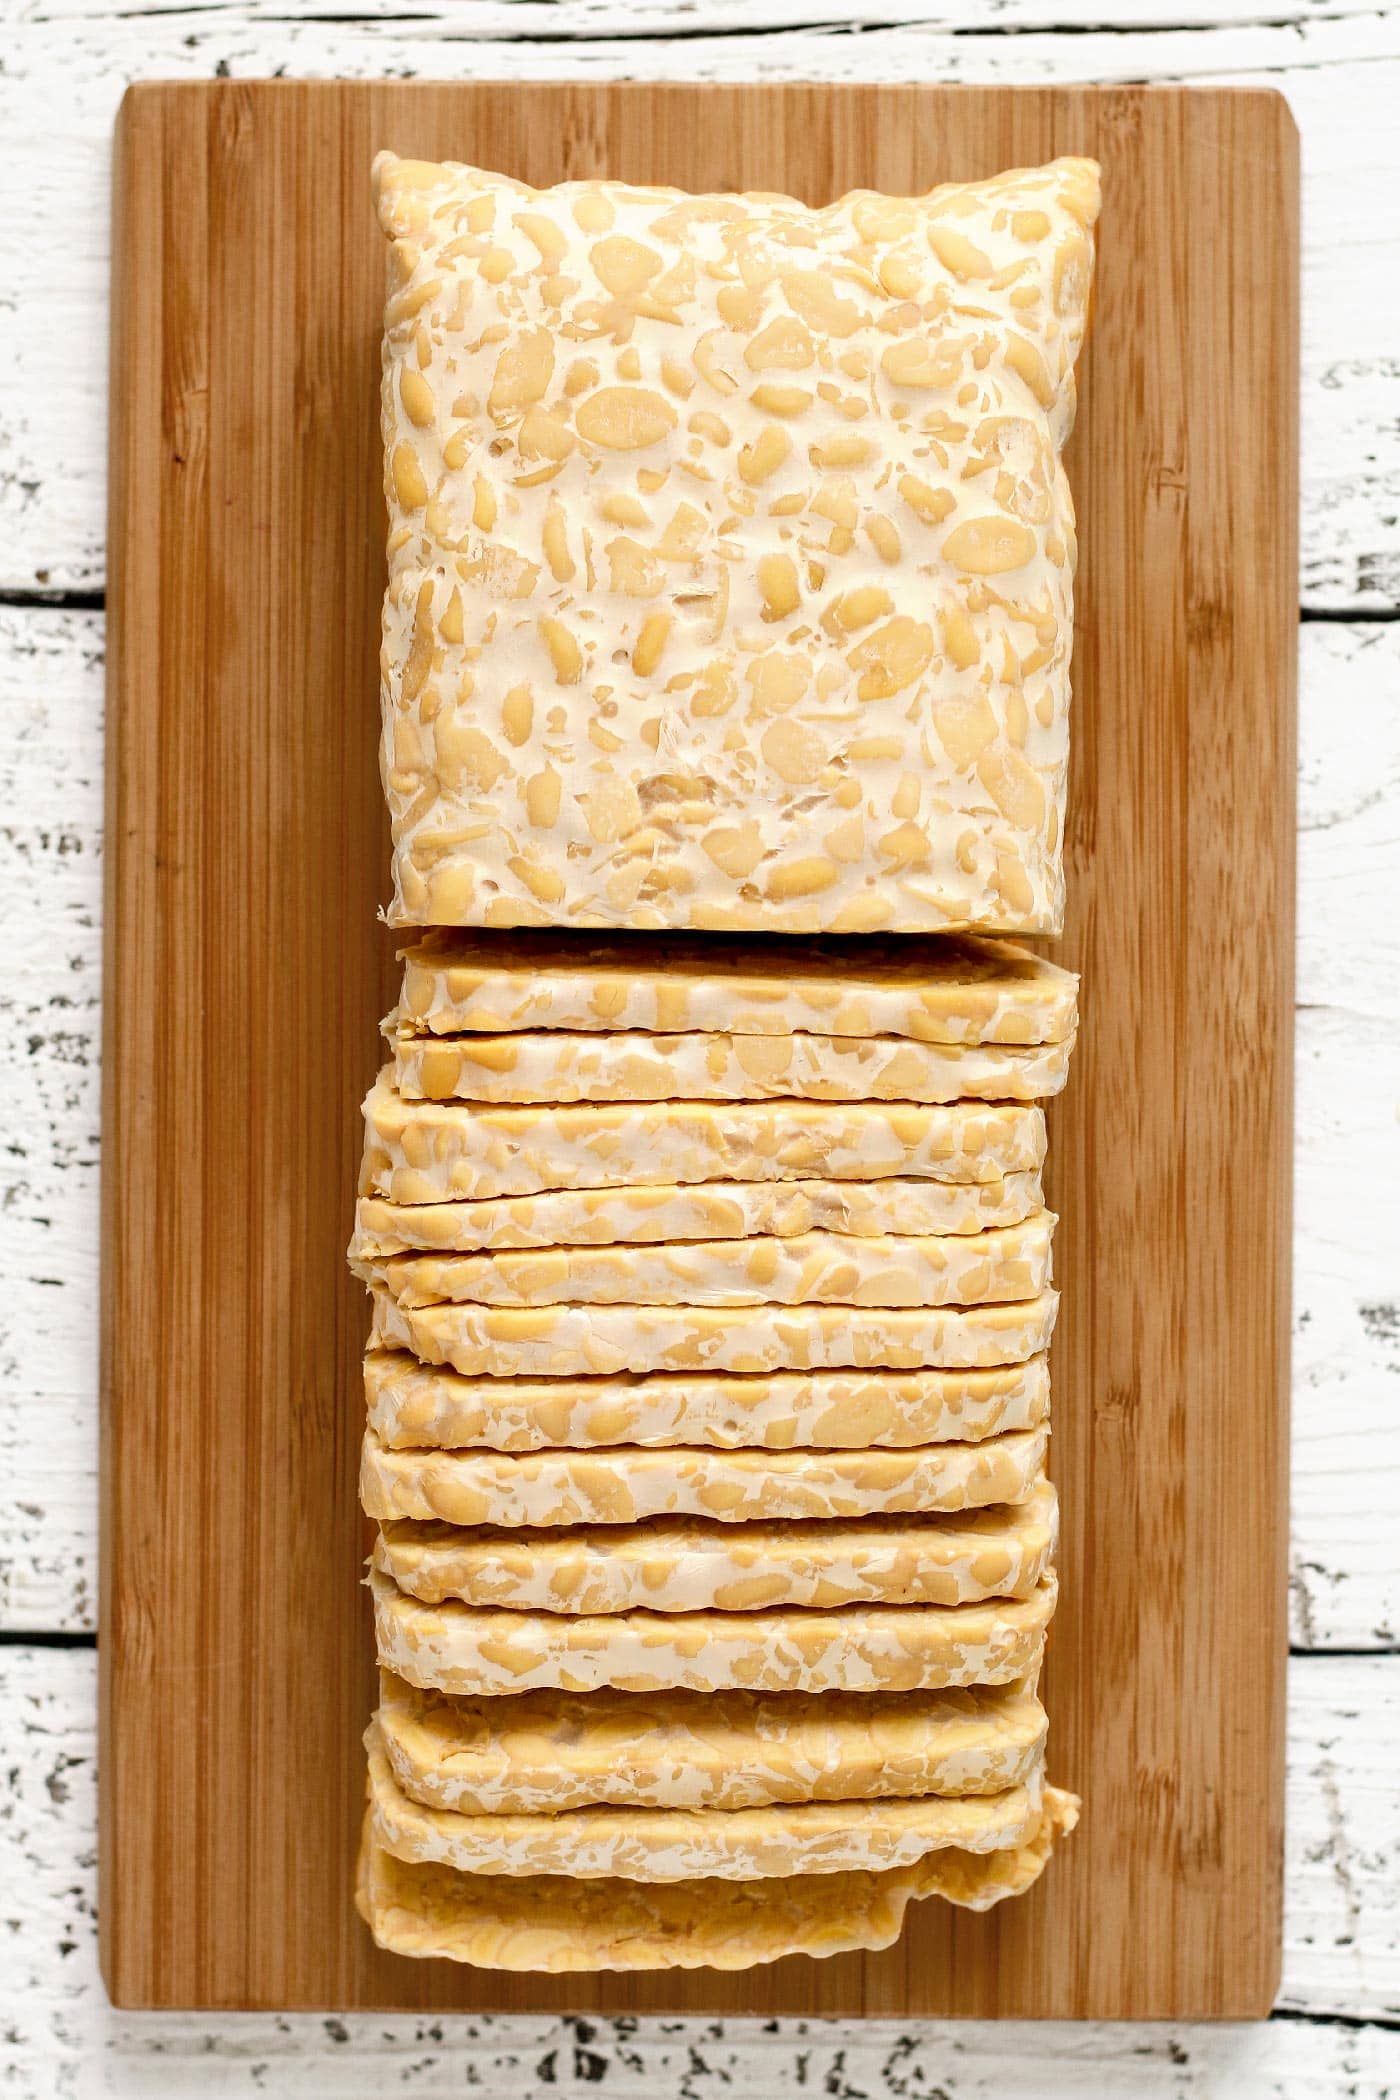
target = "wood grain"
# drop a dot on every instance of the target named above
(245, 859)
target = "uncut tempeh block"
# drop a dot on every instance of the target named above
(547, 1751)
(681, 1564)
(553, 1925)
(702, 1211)
(586, 1340)
(864, 1648)
(819, 1268)
(955, 989)
(557, 1068)
(730, 552)
(661, 1845)
(411, 1403)
(431, 1152)
(621, 1486)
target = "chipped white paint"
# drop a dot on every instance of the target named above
(1343, 1952)
(50, 987)
(64, 66)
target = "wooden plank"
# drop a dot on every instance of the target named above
(245, 825)
(65, 71)
(1342, 1954)
(1345, 1578)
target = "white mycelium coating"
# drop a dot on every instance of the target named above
(730, 553)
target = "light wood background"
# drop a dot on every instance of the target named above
(245, 972)
(1336, 2033)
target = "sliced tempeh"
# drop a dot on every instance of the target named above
(688, 1844)
(547, 1751)
(691, 1564)
(432, 1152)
(557, 1067)
(410, 1403)
(955, 989)
(711, 1210)
(551, 1925)
(819, 1268)
(569, 1341)
(539, 1489)
(864, 1648)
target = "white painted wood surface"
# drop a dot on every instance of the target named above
(1343, 1951)
(63, 64)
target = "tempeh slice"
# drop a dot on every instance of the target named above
(710, 1210)
(553, 1067)
(951, 989)
(818, 1268)
(551, 1925)
(689, 1844)
(623, 1486)
(864, 1648)
(546, 1751)
(434, 1152)
(568, 1341)
(412, 1403)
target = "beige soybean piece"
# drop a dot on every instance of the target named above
(860, 1648)
(818, 1268)
(688, 1844)
(622, 1486)
(730, 552)
(548, 1751)
(432, 1152)
(958, 989)
(569, 1341)
(704, 1211)
(557, 1067)
(682, 1564)
(551, 1925)
(410, 1404)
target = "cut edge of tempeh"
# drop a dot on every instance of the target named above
(953, 988)
(681, 1564)
(411, 1404)
(540, 1489)
(693, 1844)
(861, 1648)
(550, 1925)
(550, 1750)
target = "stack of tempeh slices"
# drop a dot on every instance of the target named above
(708, 1412)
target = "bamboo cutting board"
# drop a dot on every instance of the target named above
(245, 973)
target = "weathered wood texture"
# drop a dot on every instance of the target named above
(1342, 1954)
(1345, 1567)
(242, 798)
(65, 67)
